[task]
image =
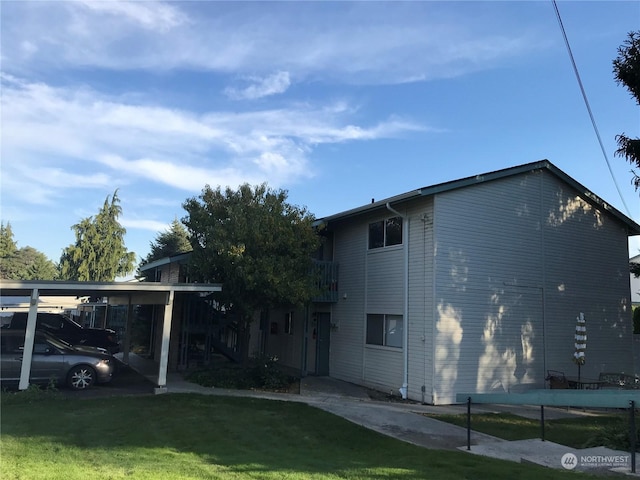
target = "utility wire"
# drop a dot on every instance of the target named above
(586, 102)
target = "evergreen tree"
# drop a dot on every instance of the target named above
(626, 69)
(169, 243)
(7, 244)
(23, 263)
(99, 253)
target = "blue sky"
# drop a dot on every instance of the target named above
(337, 103)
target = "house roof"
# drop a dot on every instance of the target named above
(633, 227)
(179, 258)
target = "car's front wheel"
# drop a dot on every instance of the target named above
(81, 377)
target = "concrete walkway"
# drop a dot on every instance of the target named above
(408, 421)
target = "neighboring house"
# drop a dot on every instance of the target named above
(472, 285)
(635, 302)
(635, 284)
(198, 330)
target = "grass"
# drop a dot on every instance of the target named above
(581, 432)
(190, 436)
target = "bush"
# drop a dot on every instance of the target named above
(636, 320)
(261, 372)
(615, 435)
(33, 393)
(267, 374)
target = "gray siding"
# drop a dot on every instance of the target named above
(287, 347)
(585, 258)
(373, 281)
(385, 280)
(516, 261)
(498, 272)
(347, 338)
(383, 366)
(420, 305)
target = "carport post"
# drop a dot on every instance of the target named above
(166, 336)
(542, 422)
(29, 338)
(126, 341)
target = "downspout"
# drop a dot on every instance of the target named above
(405, 331)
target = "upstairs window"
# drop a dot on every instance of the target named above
(385, 233)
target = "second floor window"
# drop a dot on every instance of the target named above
(385, 233)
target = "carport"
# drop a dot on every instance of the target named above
(117, 293)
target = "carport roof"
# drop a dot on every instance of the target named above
(135, 292)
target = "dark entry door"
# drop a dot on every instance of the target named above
(324, 335)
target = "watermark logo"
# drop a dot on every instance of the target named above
(570, 461)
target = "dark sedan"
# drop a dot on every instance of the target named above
(66, 329)
(53, 360)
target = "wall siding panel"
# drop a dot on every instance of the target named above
(527, 244)
(488, 287)
(347, 337)
(420, 305)
(585, 261)
(383, 368)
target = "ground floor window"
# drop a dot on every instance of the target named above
(384, 330)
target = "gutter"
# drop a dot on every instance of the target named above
(405, 331)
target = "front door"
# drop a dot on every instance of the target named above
(324, 335)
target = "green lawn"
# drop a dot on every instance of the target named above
(581, 432)
(192, 436)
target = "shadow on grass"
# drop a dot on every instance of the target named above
(196, 436)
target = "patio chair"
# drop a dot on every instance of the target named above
(557, 379)
(610, 380)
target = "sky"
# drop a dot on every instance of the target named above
(335, 102)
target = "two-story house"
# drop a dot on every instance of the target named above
(472, 285)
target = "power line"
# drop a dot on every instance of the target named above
(586, 102)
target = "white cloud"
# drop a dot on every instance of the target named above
(140, 224)
(149, 15)
(96, 140)
(262, 87)
(358, 43)
(178, 175)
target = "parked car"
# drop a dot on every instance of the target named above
(66, 329)
(52, 359)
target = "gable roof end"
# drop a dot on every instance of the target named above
(632, 227)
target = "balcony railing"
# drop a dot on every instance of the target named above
(327, 281)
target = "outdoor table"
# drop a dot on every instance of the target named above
(584, 383)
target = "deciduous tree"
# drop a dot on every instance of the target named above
(99, 253)
(255, 243)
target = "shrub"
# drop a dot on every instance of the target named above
(33, 393)
(615, 435)
(267, 374)
(260, 372)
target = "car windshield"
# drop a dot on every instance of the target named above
(56, 342)
(70, 320)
